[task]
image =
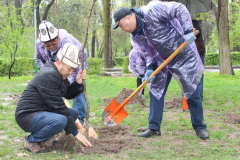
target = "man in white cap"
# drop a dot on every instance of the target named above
(41, 109)
(47, 46)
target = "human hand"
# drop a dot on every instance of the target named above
(147, 74)
(190, 38)
(80, 76)
(83, 139)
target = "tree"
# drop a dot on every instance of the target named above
(18, 5)
(133, 3)
(225, 62)
(12, 36)
(107, 34)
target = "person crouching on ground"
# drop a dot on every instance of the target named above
(41, 109)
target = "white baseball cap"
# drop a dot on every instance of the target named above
(47, 31)
(69, 55)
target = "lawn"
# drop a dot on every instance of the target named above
(178, 141)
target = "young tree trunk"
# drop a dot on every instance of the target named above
(47, 9)
(225, 62)
(107, 34)
(82, 64)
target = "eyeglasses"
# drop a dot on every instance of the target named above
(47, 46)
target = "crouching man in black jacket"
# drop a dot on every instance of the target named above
(41, 109)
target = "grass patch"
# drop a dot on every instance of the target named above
(178, 141)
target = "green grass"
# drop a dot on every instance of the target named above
(178, 140)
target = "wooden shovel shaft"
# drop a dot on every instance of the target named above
(159, 68)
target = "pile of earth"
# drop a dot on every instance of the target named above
(111, 140)
(171, 104)
(232, 118)
(125, 93)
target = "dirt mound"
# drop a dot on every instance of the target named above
(125, 93)
(12, 97)
(232, 118)
(104, 74)
(175, 103)
(64, 142)
(111, 140)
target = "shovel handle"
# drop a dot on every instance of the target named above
(78, 123)
(196, 32)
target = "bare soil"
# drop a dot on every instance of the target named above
(111, 140)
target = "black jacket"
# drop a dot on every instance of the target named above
(199, 41)
(44, 93)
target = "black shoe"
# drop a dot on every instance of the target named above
(202, 134)
(150, 132)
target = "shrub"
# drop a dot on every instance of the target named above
(213, 58)
(125, 65)
(119, 61)
(95, 65)
(21, 66)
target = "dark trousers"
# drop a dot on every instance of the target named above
(194, 105)
(139, 82)
(46, 124)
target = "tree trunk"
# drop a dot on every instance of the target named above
(37, 12)
(97, 43)
(133, 3)
(107, 34)
(47, 9)
(94, 35)
(225, 62)
(18, 5)
(93, 42)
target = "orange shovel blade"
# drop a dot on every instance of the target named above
(115, 113)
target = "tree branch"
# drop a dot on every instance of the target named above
(47, 9)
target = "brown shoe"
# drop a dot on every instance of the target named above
(34, 147)
(49, 143)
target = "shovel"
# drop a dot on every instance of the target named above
(81, 129)
(114, 113)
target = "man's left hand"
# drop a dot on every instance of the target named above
(190, 38)
(80, 76)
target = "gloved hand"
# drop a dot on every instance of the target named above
(147, 74)
(190, 37)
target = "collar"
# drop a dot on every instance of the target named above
(139, 29)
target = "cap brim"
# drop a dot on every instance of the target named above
(115, 25)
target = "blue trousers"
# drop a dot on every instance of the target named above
(194, 105)
(79, 103)
(46, 124)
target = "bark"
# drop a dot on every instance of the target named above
(225, 62)
(47, 9)
(107, 34)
